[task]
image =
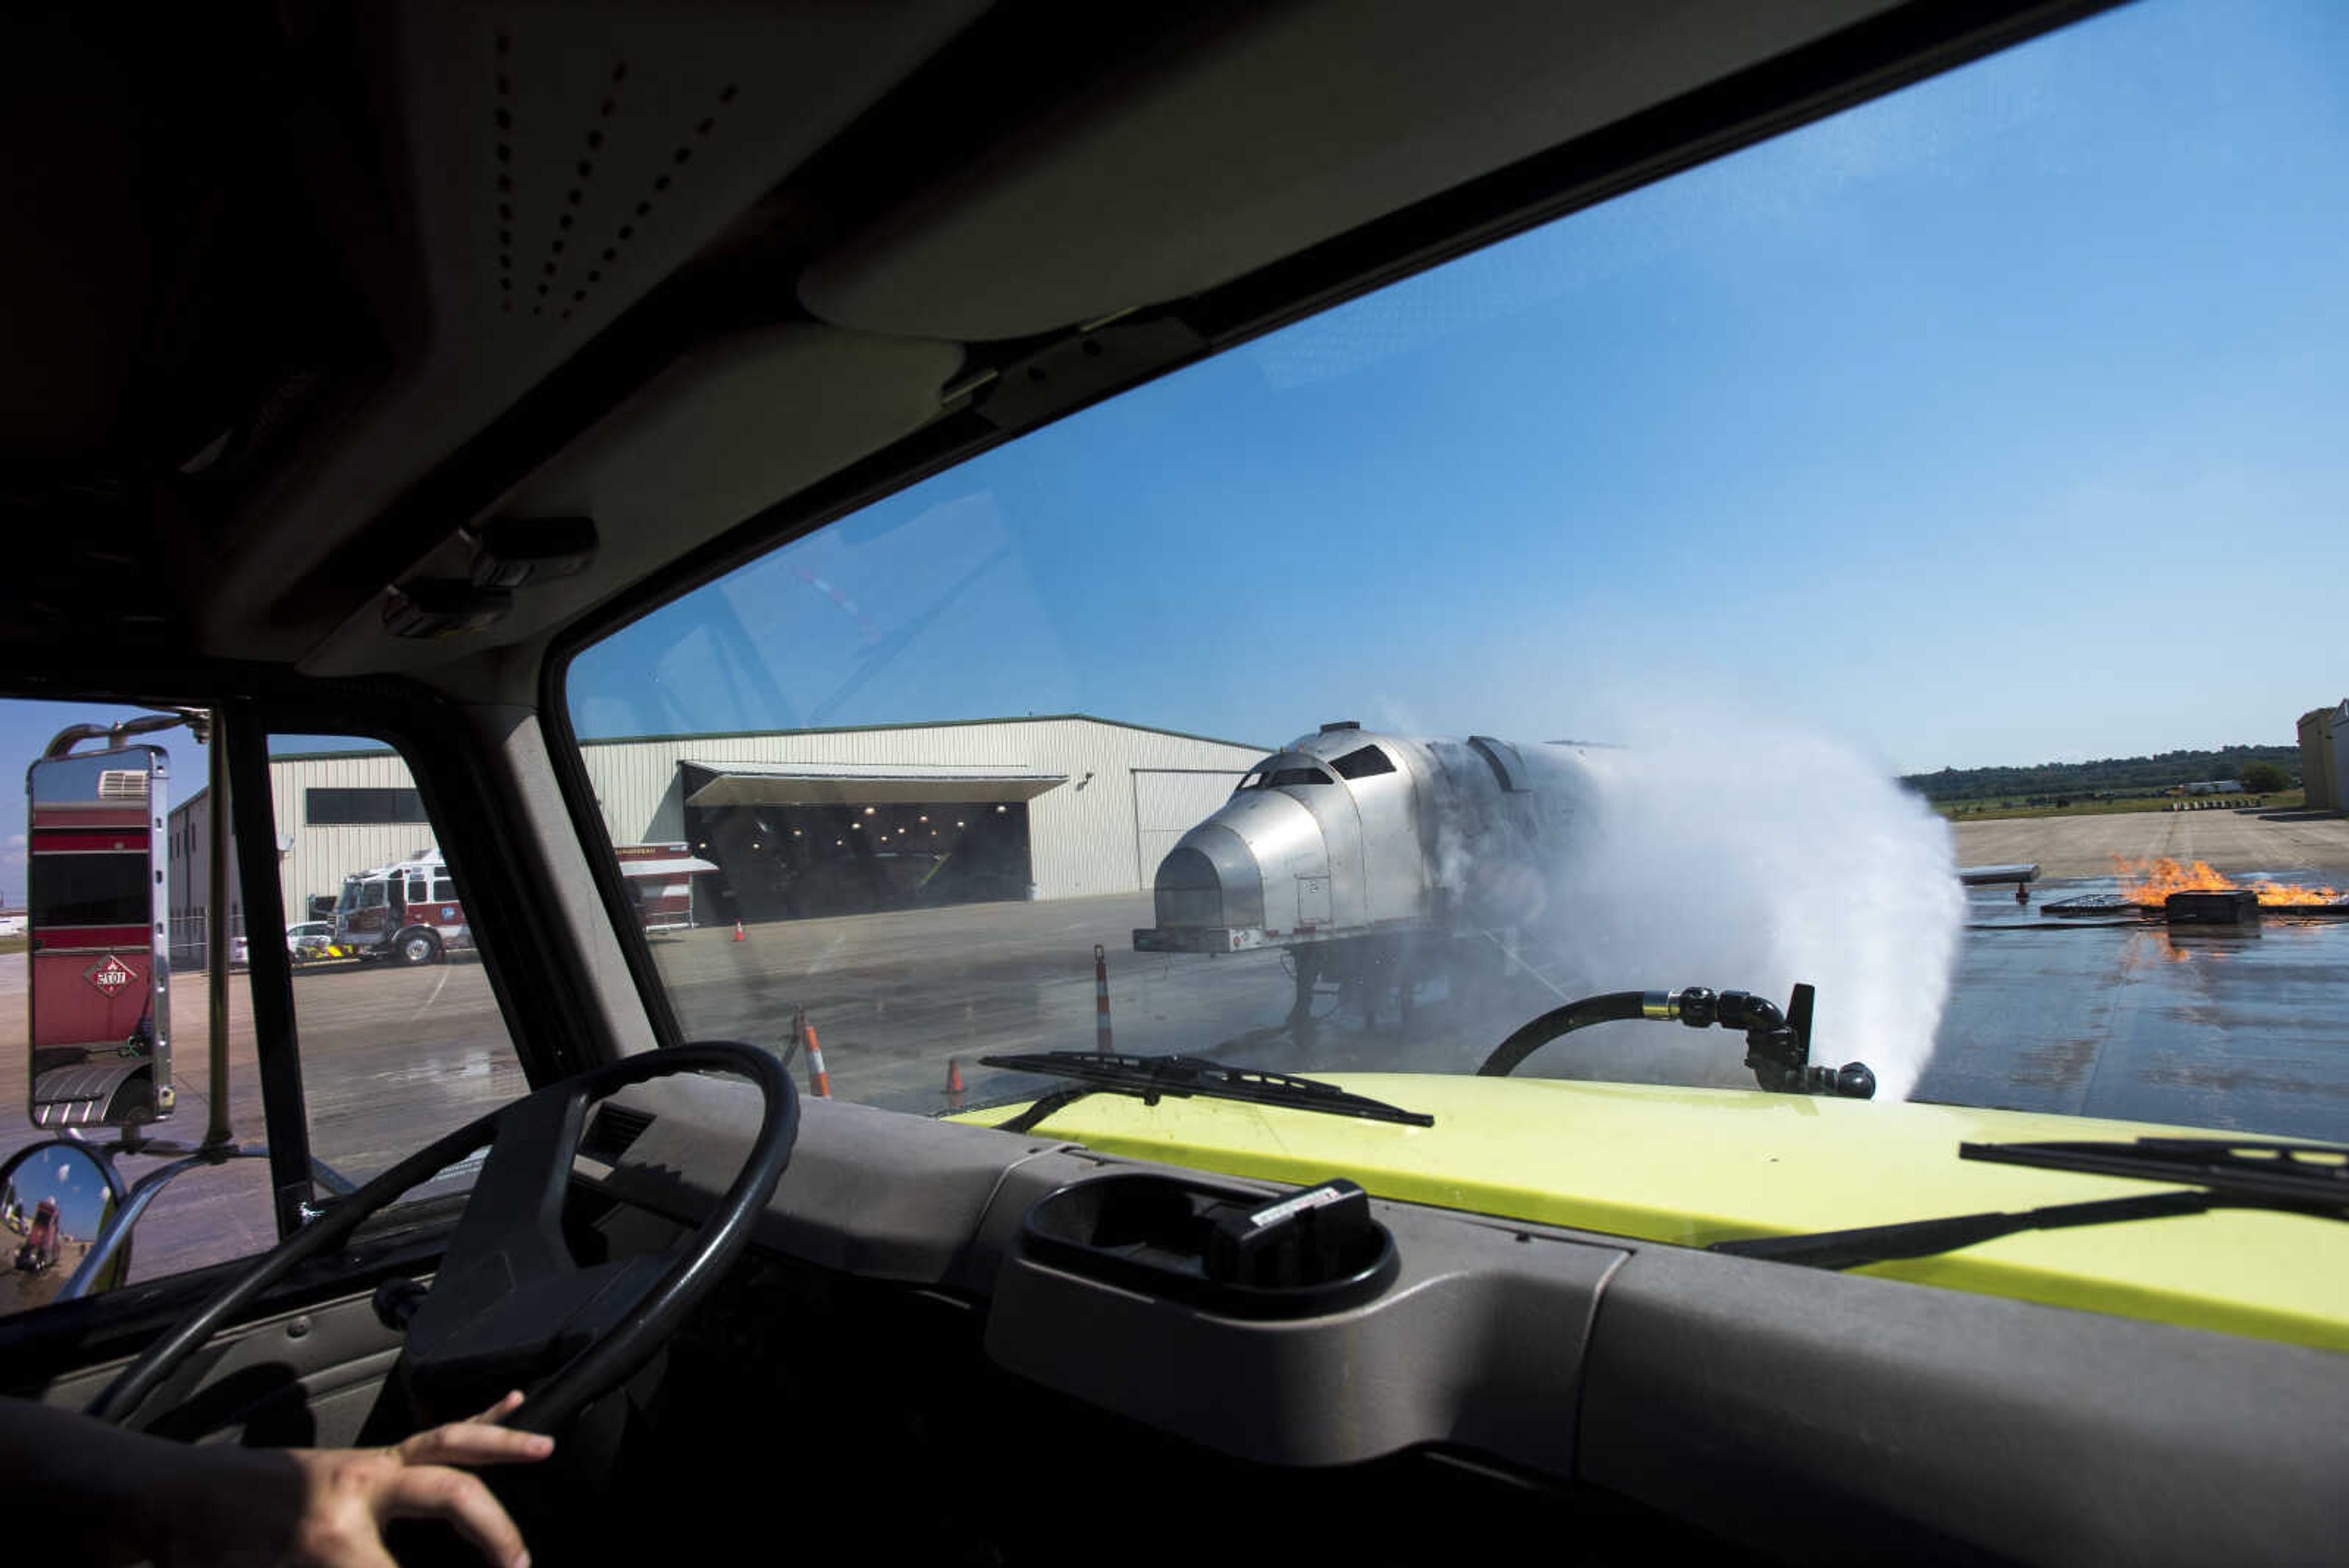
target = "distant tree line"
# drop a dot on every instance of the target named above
(2112, 777)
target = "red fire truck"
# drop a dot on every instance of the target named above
(95, 1039)
(409, 911)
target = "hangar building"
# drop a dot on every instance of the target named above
(803, 822)
(2324, 757)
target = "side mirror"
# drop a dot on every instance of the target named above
(56, 1200)
(99, 971)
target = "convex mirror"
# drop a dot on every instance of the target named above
(99, 969)
(56, 1200)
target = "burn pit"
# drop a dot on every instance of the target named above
(2150, 884)
(2196, 893)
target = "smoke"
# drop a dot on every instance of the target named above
(1747, 858)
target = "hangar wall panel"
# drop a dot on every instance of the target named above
(1128, 794)
(2324, 757)
(324, 853)
(188, 879)
(313, 857)
(1083, 834)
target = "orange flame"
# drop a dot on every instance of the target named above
(2150, 882)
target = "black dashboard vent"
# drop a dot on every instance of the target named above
(614, 1129)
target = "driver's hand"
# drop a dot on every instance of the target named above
(348, 1495)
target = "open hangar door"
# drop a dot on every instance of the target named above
(795, 841)
(1167, 803)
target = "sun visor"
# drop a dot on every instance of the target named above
(1292, 126)
(695, 451)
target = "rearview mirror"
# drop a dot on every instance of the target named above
(100, 974)
(56, 1200)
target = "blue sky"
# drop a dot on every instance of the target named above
(74, 1182)
(1917, 427)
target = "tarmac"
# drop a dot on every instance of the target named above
(2245, 1032)
(2238, 841)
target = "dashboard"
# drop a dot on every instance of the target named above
(1802, 1412)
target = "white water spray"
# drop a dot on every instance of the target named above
(1747, 859)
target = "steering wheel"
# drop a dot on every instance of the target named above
(509, 1306)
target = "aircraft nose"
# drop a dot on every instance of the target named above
(1210, 879)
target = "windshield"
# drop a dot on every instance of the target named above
(1682, 593)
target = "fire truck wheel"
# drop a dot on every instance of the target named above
(419, 947)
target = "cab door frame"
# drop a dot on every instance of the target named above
(533, 968)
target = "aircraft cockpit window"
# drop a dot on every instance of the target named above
(1365, 762)
(1283, 777)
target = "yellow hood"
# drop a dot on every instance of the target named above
(1693, 1166)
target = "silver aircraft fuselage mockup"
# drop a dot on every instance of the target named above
(1369, 854)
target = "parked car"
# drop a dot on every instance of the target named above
(306, 942)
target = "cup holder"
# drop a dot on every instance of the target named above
(1297, 1255)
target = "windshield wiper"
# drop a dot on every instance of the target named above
(1150, 1078)
(2293, 1173)
(2222, 1173)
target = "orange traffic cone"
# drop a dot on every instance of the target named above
(737, 930)
(954, 1076)
(818, 1078)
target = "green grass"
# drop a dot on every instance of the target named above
(2004, 811)
(14, 944)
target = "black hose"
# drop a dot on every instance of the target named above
(1558, 1021)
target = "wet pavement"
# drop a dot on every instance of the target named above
(2117, 1018)
(2124, 1017)
(2113, 1017)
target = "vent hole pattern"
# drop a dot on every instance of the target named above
(553, 290)
(501, 116)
